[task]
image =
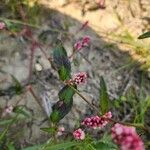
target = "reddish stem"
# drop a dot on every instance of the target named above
(32, 50)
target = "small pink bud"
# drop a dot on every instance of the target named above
(60, 131)
(79, 134)
(86, 41)
(78, 45)
(7, 110)
(82, 43)
(2, 25)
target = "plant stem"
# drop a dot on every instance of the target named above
(92, 106)
(7, 128)
(35, 97)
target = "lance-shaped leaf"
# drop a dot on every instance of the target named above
(62, 62)
(60, 109)
(49, 130)
(14, 27)
(66, 93)
(144, 35)
(103, 98)
(64, 105)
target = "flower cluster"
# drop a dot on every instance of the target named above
(96, 121)
(78, 78)
(2, 25)
(82, 43)
(79, 134)
(126, 138)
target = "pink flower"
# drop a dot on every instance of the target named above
(82, 43)
(2, 25)
(8, 110)
(78, 45)
(60, 131)
(126, 138)
(96, 121)
(79, 134)
(80, 78)
(85, 41)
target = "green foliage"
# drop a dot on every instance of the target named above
(22, 111)
(63, 66)
(105, 144)
(13, 27)
(10, 146)
(62, 62)
(103, 98)
(144, 35)
(64, 105)
(63, 145)
(51, 130)
(17, 85)
(66, 93)
(60, 109)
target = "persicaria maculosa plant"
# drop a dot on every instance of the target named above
(123, 135)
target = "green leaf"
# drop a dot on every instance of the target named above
(144, 35)
(63, 73)
(5, 121)
(22, 110)
(104, 146)
(49, 130)
(103, 98)
(62, 62)
(17, 85)
(105, 143)
(37, 147)
(62, 146)
(13, 27)
(60, 110)
(66, 93)
(64, 105)
(10, 146)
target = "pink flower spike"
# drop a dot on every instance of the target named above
(2, 25)
(78, 46)
(79, 134)
(80, 78)
(126, 138)
(86, 41)
(96, 121)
